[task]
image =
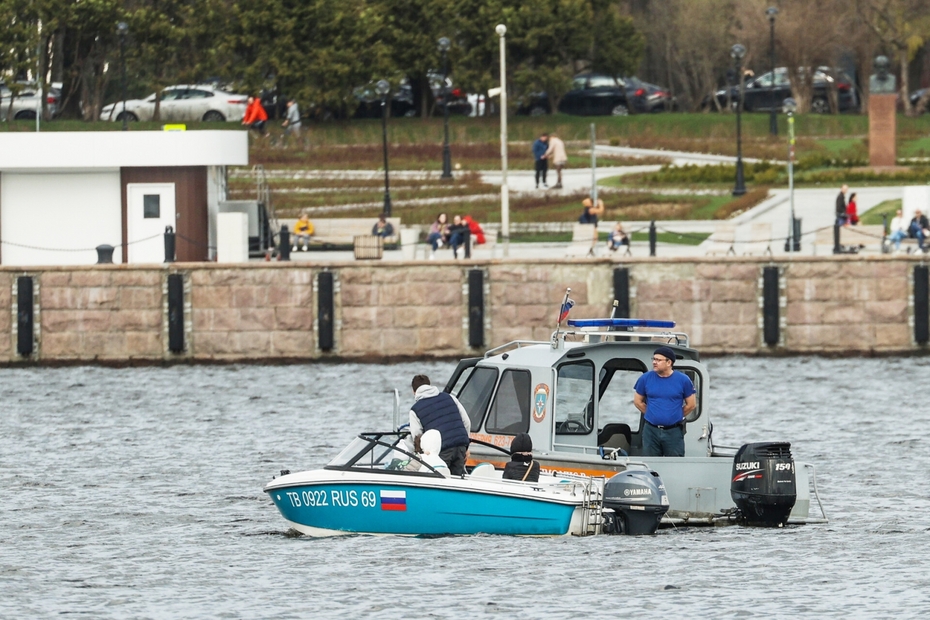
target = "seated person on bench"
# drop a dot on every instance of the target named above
(521, 465)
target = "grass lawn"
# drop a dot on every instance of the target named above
(874, 215)
(670, 237)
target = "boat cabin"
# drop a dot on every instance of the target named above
(575, 394)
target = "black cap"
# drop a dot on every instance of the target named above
(521, 443)
(665, 352)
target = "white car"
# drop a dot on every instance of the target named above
(25, 103)
(182, 103)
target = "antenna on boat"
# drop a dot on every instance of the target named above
(564, 309)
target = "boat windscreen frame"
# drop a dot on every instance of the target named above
(372, 440)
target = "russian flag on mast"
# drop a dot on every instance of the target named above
(567, 306)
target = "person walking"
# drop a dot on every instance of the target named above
(665, 397)
(556, 154)
(841, 205)
(539, 155)
(852, 210)
(291, 122)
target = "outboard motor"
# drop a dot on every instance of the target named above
(634, 501)
(764, 485)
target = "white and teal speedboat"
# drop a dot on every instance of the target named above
(364, 491)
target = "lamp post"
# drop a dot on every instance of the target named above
(122, 29)
(446, 155)
(501, 31)
(383, 88)
(773, 118)
(737, 52)
(793, 242)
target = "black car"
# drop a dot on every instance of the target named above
(402, 99)
(758, 95)
(600, 95)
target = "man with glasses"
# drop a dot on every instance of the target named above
(665, 397)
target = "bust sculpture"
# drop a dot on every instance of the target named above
(882, 81)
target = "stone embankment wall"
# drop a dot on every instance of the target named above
(273, 311)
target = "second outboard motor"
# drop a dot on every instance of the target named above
(764, 486)
(636, 500)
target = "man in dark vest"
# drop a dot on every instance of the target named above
(841, 205)
(441, 411)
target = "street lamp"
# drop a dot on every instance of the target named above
(383, 88)
(501, 31)
(122, 29)
(793, 242)
(737, 52)
(773, 119)
(446, 155)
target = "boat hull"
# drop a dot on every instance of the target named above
(340, 505)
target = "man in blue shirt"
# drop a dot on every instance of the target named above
(666, 397)
(539, 154)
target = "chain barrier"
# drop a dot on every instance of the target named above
(93, 249)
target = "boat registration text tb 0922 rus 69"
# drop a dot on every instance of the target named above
(342, 499)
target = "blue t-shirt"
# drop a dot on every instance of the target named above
(665, 396)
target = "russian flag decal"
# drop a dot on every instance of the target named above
(394, 500)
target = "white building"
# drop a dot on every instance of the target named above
(62, 194)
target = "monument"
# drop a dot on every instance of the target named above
(882, 107)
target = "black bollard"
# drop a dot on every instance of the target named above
(467, 243)
(176, 313)
(284, 245)
(25, 330)
(921, 304)
(170, 244)
(836, 239)
(325, 311)
(797, 235)
(652, 238)
(475, 308)
(105, 254)
(770, 295)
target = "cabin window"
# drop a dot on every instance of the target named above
(616, 402)
(510, 413)
(476, 393)
(574, 399)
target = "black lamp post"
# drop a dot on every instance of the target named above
(773, 118)
(383, 88)
(737, 52)
(122, 29)
(446, 155)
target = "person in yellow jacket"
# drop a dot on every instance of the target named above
(303, 230)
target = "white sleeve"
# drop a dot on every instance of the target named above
(465, 420)
(416, 429)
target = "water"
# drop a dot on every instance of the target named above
(136, 493)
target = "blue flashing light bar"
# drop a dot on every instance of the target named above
(619, 323)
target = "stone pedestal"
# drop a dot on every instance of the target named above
(882, 130)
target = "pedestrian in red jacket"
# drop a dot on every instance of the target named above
(852, 214)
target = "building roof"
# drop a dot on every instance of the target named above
(95, 150)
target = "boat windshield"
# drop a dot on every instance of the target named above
(368, 450)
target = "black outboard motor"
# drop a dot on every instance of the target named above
(764, 484)
(636, 500)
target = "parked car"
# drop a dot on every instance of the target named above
(402, 99)
(25, 103)
(596, 94)
(758, 95)
(184, 102)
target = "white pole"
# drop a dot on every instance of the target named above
(593, 167)
(501, 30)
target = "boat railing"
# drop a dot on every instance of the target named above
(812, 477)
(513, 344)
(593, 335)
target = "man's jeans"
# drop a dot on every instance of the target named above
(455, 459)
(663, 442)
(918, 233)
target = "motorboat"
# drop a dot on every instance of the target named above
(573, 394)
(377, 486)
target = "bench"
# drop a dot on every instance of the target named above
(584, 240)
(340, 233)
(760, 239)
(721, 241)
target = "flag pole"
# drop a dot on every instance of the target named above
(558, 325)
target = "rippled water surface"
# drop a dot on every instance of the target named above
(136, 493)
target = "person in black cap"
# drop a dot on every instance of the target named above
(665, 397)
(521, 465)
